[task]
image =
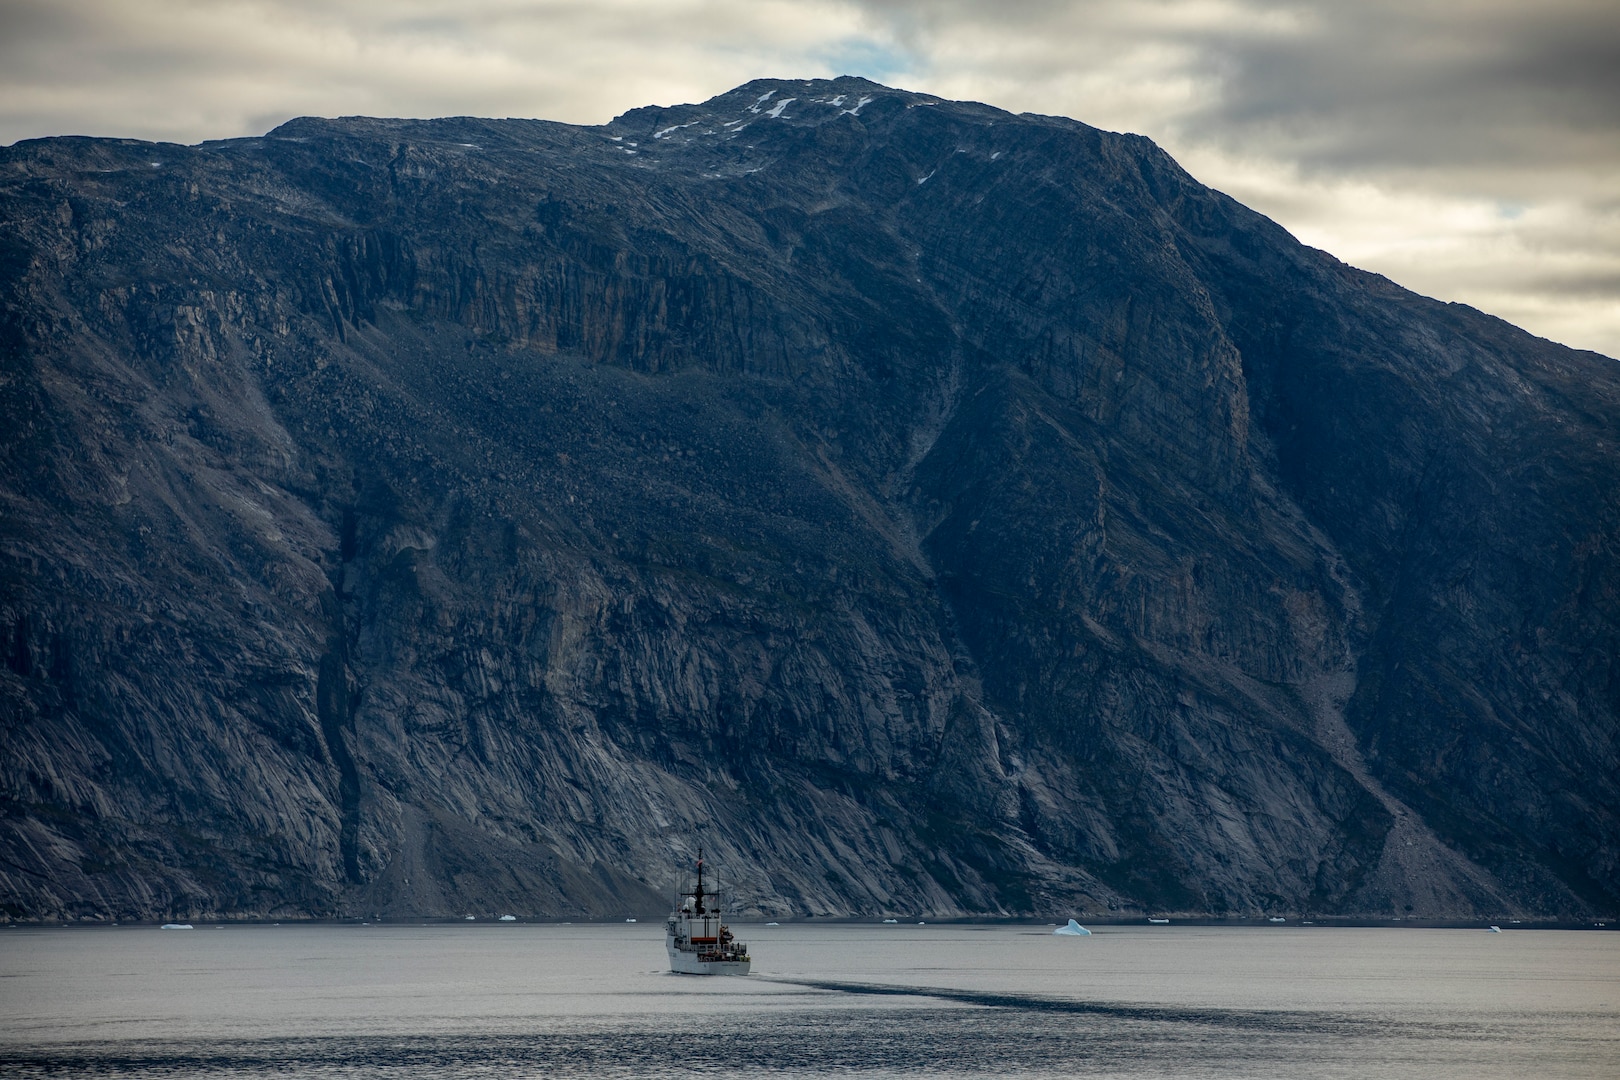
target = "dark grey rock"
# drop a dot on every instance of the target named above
(923, 508)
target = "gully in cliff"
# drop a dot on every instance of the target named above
(698, 940)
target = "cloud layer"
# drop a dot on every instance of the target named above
(1469, 150)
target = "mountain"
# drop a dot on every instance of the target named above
(922, 508)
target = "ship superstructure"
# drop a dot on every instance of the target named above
(697, 938)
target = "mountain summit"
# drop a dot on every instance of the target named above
(921, 507)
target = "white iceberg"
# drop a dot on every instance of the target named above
(508, 918)
(1074, 929)
(177, 926)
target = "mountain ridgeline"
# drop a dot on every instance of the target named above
(923, 508)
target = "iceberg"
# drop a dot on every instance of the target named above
(1074, 929)
(177, 926)
(508, 918)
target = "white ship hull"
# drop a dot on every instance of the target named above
(697, 938)
(683, 962)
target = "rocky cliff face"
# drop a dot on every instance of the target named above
(923, 508)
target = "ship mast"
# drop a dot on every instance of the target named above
(698, 895)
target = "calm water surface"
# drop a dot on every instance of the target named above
(493, 1000)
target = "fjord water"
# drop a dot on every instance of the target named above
(522, 1000)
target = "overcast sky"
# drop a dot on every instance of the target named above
(1469, 149)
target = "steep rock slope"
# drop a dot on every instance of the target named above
(924, 508)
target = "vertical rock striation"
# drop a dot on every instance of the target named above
(921, 507)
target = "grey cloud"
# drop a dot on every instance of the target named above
(1601, 286)
(183, 70)
(1377, 86)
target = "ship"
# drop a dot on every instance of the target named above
(697, 938)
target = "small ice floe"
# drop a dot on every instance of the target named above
(1159, 922)
(629, 920)
(469, 918)
(922, 924)
(1074, 929)
(508, 918)
(891, 920)
(773, 924)
(177, 926)
(1494, 929)
(1277, 918)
